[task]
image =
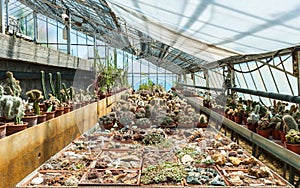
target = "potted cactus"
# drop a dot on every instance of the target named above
(12, 108)
(239, 113)
(293, 140)
(288, 124)
(34, 96)
(167, 122)
(202, 123)
(143, 123)
(253, 119)
(264, 127)
(107, 121)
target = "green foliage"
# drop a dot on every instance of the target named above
(147, 86)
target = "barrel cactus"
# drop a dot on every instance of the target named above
(289, 123)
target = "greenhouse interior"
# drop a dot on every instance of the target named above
(132, 93)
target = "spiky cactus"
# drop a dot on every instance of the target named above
(11, 85)
(58, 86)
(43, 83)
(12, 107)
(34, 96)
(289, 123)
(51, 84)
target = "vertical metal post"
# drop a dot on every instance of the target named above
(115, 57)
(35, 26)
(7, 15)
(157, 75)
(47, 32)
(132, 82)
(95, 51)
(193, 78)
(297, 64)
(2, 16)
(165, 79)
(69, 34)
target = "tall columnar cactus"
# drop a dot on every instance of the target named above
(72, 93)
(58, 86)
(67, 95)
(44, 85)
(51, 84)
(11, 85)
(34, 96)
(257, 109)
(12, 107)
(1, 91)
(289, 123)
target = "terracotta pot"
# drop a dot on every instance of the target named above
(2, 129)
(30, 119)
(276, 134)
(264, 133)
(73, 107)
(251, 127)
(49, 115)
(231, 117)
(185, 126)
(67, 109)
(59, 111)
(41, 118)
(293, 147)
(282, 136)
(11, 128)
(238, 119)
(202, 125)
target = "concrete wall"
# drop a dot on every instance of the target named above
(19, 49)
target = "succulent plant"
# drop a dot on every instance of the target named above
(34, 96)
(203, 119)
(107, 119)
(12, 107)
(263, 124)
(293, 136)
(12, 85)
(289, 123)
(143, 123)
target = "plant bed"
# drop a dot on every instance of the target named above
(110, 177)
(204, 177)
(164, 174)
(53, 179)
(261, 176)
(153, 157)
(119, 159)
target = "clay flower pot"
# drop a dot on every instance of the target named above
(293, 147)
(238, 119)
(264, 132)
(276, 134)
(59, 111)
(30, 119)
(2, 129)
(251, 127)
(42, 118)
(11, 128)
(67, 109)
(282, 136)
(49, 115)
(202, 125)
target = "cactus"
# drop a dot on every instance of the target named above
(1, 91)
(72, 93)
(253, 118)
(44, 85)
(293, 137)
(203, 119)
(58, 86)
(51, 84)
(66, 91)
(34, 96)
(289, 123)
(11, 85)
(12, 107)
(257, 109)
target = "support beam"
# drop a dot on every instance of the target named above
(35, 27)
(2, 6)
(69, 34)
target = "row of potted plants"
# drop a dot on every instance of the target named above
(153, 108)
(276, 121)
(17, 114)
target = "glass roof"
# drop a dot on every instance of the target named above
(182, 35)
